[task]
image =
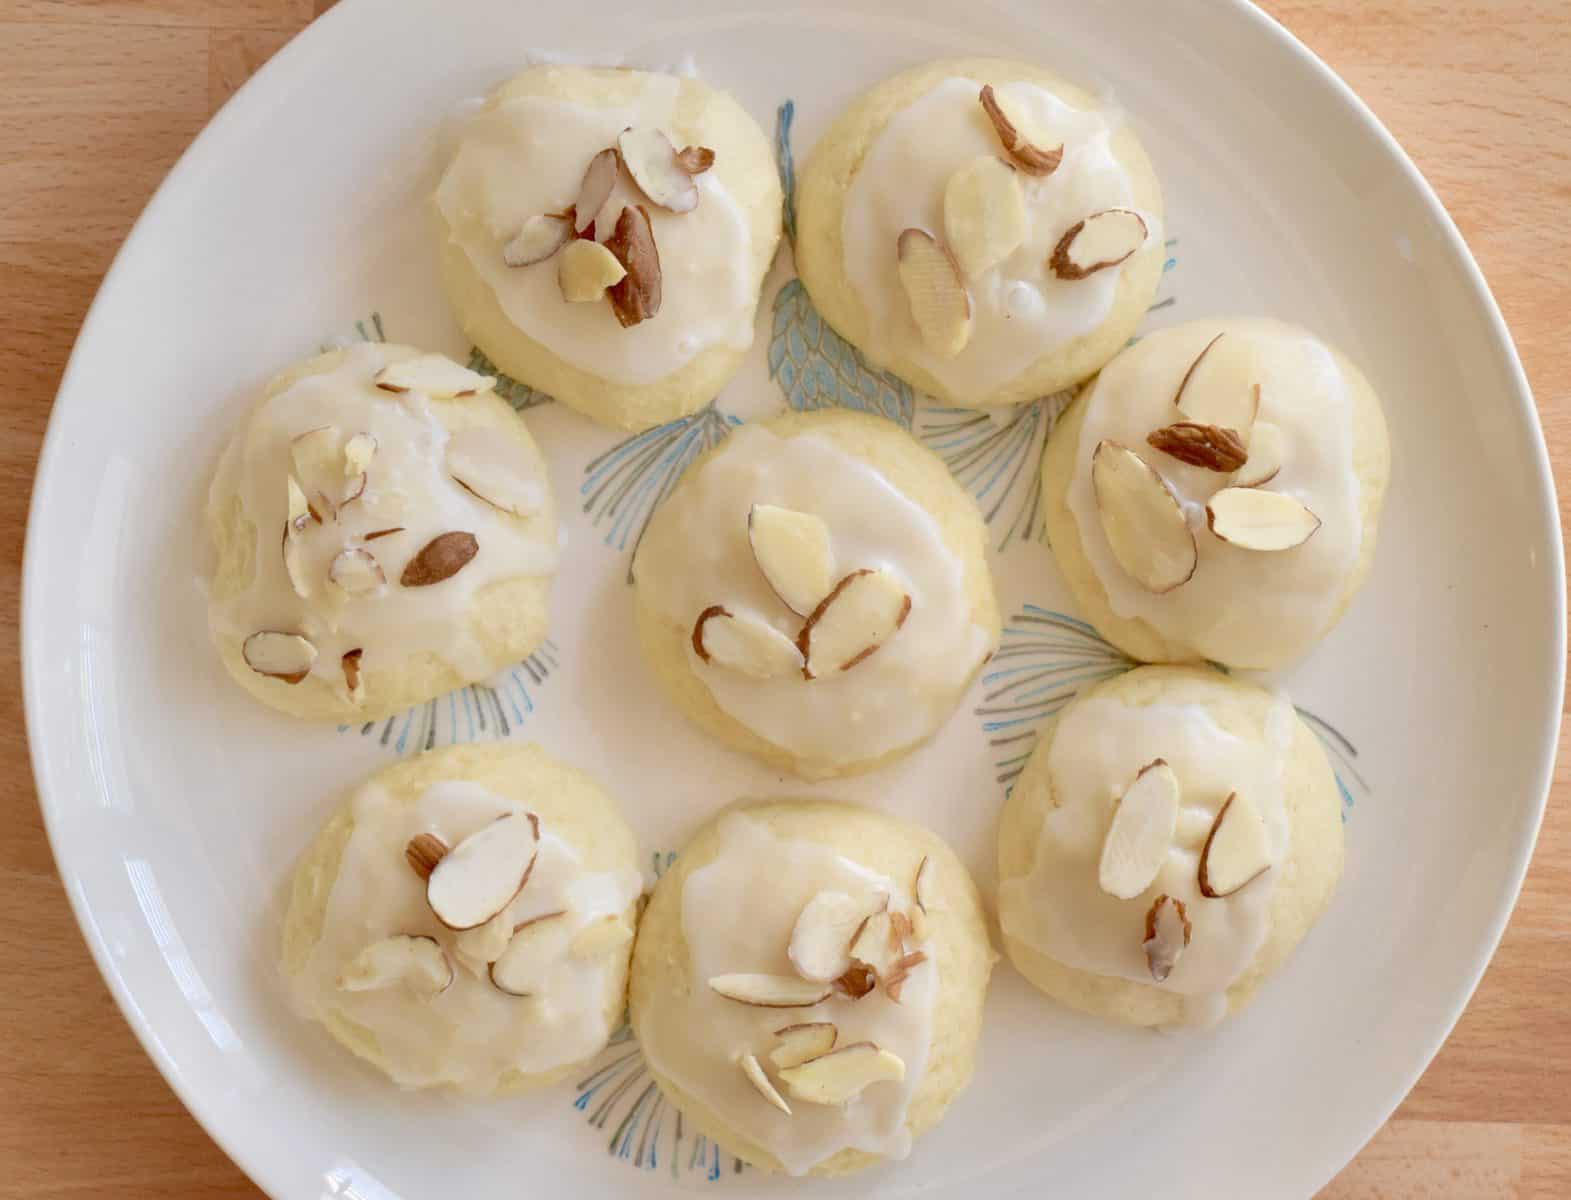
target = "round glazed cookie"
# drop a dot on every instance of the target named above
(1047, 260)
(385, 533)
(533, 985)
(1125, 889)
(815, 592)
(1206, 555)
(517, 193)
(808, 983)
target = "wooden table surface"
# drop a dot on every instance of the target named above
(97, 100)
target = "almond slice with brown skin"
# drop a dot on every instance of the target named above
(984, 214)
(875, 944)
(481, 946)
(294, 559)
(585, 269)
(798, 1043)
(434, 375)
(1264, 463)
(354, 682)
(1236, 851)
(821, 938)
(1141, 832)
(355, 572)
(359, 450)
(900, 971)
(744, 643)
(595, 188)
(600, 937)
(857, 982)
(841, 1075)
(1167, 934)
(284, 656)
(1104, 239)
(495, 469)
(861, 613)
(536, 946)
(381, 533)
(1010, 125)
(1255, 520)
(760, 1081)
(479, 877)
(794, 554)
(769, 991)
(412, 961)
(1145, 528)
(935, 291)
(1209, 447)
(540, 237)
(1218, 390)
(695, 160)
(299, 508)
(441, 558)
(423, 852)
(922, 884)
(652, 161)
(636, 296)
(316, 457)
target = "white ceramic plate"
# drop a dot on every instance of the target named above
(176, 804)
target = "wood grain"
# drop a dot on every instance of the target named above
(97, 100)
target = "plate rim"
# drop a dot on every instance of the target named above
(252, 94)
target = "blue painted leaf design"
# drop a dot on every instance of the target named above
(817, 368)
(1344, 759)
(519, 395)
(787, 168)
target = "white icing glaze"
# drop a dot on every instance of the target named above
(1098, 748)
(696, 553)
(472, 1034)
(407, 485)
(1020, 309)
(737, 915)
(527, 156)
(1240, 605)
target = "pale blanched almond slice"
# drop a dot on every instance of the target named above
(919, 926)
(1104, 239)
(585, 269)
(413, 961)
(1013, 131)
(798, 1043)
(744, 643)
(1236, 852)
(485, 943)
(355, 572)
(935, 291)
(540, 237)
(358, 453)
(760, 1081)
(285, 656)
(1141, 833)
(535, 947)
(316, 457)
(1209, 447)
(864, 611)
(770, 991)
(794, 554)
(433, 375)
(479, 877)
(496, 469)
(695, 160)
(1145, 527)
(652, 161)
(1256, 520)
(423, 852)
(984, 214)
(875, 944)
(900, 971)
(294, 560)
(636, 296)
(820, 946)
(441, 558)
(1264, 463)
(299, 508)
(354, 682)
(840, 1076)
(1167, 933)
(600, 937)
(1218, 388)
(595, 189)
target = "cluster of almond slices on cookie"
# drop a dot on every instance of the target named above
(842, 946)
(844, 620)
(1217, 431)
(1234, 855)
(328, 474)
(625, 268)
(985, 222)
(470, 889)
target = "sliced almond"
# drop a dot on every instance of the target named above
(861, 613)
(294, 559)
(1264, 463)
(875, 944)
(857, 982)
(1208, 446)
(496, 469)
(1145, 527)
(635, 297)
(381, 533)
(423, 852)
(1255, 520)
(434, 375)
(299, 508)
(355, 572)
(821, 938)
(1011, 127)
(540, 237)
(652, 161)
(358, 453)
(413, 961)
(840, 1076)
(585, 269)
(479, 877)
(536, 946)
(744, 643)
(486, 943)
(798, 1043)
(695, 160)
(760, 1081)
(1141, 832)
(900, 971)
(935, 291)
(770, 991)
(601, 936)
(441, 558)
(793, 552)
(1167, 933)
(1218, 388)
(922, 884)
(316, 457)
(595, 189)
(984, 214)
(285, 656)
(1236, 851)
(354, 682)
(1104, 239)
